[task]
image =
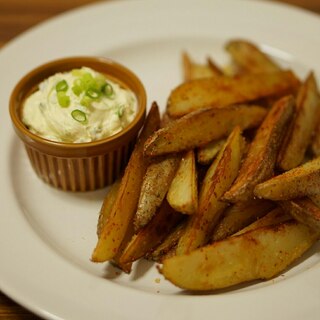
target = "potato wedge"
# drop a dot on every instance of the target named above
(315, 199)
(301, 130)
(183, 191)
(272, 218)
(201, 127)
(218, 179)
(260, 160)
(258, 254)
(304, 211)
(169, 243)
(126, 202)
(207, 153)
(295, 183)
(192, 70)
(240, 215)
(107, 205)
(224, 91)
(152, 234)
(155, 185)
(249, 58)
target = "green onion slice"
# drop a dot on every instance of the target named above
(92, 93)
(79, 116)
(63, 99)
(107, 89)
(62, 86)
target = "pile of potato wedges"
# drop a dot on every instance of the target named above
(224, 188)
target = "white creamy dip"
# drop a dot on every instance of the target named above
(78, 106)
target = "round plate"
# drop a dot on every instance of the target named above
(47, 236)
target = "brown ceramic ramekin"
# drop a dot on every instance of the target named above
(78, 166)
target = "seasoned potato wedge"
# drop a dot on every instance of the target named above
(260, 160)
(169, 243)
(302, 127)
(206, 153)
(152, 234)
(192, 70)
(240, 215)
(155, 185)
(183, 191)
(125, 205)
(224, 91)
(304, 211)
(315, 199)
(201, 127)
(272, 218)
(258, 254)
(107, 205)
(218, 179)
(295, 183)
(249, 58)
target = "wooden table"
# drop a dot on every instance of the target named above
(19, 15)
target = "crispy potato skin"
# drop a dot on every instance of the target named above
(152, 234)
(169, 244)
(304, 211)
(219, 177)
(249, 58)
(107, 205)
(240, 215)
(192, 70)
(274, 217)
(207, 153)
(185, 134)
(125, 205)
(183, 191)
(295, 183)
(258, 254)
(300, 132)
(261, 158)
(155, 185)
(223, 91)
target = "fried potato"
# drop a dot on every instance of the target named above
(183, 191)
(260, 160)
(107, 206)
(240, 215)
(295, 183)
(249, 58)
(272, 218)
(315, 199)
(207, 153)
(224, 91)
(155, 185)
(125, 205)
(218, 179)
(152, 234)
(169, 243)
(302, 127)
(201, 127)
(192, 70)
(258, 254)
(304, 211)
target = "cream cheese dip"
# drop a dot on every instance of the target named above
(79, 106)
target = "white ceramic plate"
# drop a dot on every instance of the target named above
(46, 235)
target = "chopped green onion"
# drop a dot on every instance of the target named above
(62, 86)
(120, 111)
(93, 93)
(107, 89)
(79, 116)
(63, 99)
(77, 72)
(86, 101)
